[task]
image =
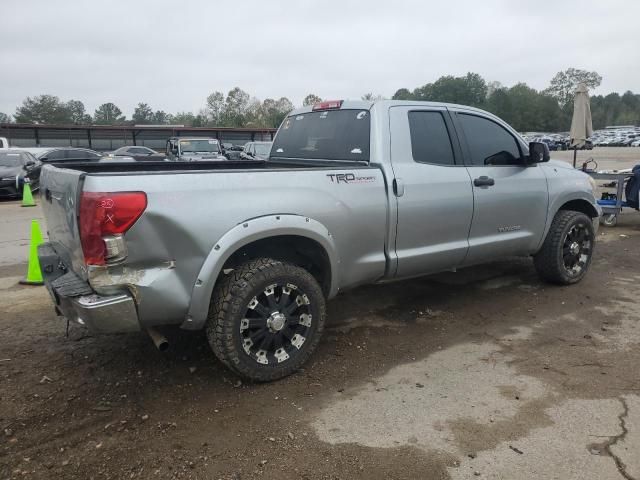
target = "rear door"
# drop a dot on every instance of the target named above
(510, 198)
(432, 188)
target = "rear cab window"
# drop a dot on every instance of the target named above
(340, 134)
(430, 139)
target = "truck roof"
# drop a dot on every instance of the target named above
(369, 104)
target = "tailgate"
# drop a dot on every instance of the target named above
(60, 189)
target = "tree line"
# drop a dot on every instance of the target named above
(525, 108)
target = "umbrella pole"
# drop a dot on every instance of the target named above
(575, 153)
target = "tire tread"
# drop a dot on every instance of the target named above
(227, 300)
(546, 260)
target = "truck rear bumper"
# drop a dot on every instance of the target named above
(74, 299)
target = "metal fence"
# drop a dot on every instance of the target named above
(110, 137)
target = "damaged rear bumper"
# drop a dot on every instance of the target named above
(74, 298)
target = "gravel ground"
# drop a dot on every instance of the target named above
(485, 373)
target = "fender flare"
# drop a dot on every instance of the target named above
(554, 208)
(243, 234)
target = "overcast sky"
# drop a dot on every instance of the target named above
(172, 54)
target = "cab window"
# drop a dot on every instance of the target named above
(489, 143)
(430, 140)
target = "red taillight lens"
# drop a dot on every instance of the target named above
(104, 214)
(328, 105)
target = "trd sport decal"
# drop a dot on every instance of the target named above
(349, 178)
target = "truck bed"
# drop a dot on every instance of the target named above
(118, 167)
(199, 213)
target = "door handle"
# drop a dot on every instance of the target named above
(398, 187)
(484, 181)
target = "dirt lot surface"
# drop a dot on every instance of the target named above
(484, 373)
(607, 158)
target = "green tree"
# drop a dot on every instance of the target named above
(310, 99)
(274, 111)
(563, 84)
(215, 108)
(183, 118)
(236, 106)
(42, 109)
(77, 113)
(160, 117)
(143, 114)
(403, 94)
(108, 114)
(4, 118)
(468, 90)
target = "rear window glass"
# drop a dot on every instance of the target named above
(324, 135)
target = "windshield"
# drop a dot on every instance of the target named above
(263, 149)
(327, 135)
(199, 146)
(10, 159)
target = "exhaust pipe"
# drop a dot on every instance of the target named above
(159, 340)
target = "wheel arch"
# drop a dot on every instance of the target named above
(293, 238)
(578, 203)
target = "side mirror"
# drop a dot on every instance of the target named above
(174, 150)
(538, 152)
(29, 163)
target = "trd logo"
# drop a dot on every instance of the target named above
(341, 177)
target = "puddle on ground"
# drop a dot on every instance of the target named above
(413, 403)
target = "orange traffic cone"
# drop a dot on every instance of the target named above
(34, 274)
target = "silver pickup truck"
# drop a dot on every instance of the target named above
(353, 193)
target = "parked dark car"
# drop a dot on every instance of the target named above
(231, 151)
(588, 145)
(256, 151)
(15, 166)
(61, 154)
(138, 153)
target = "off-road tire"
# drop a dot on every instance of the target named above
(549, 261)
(228, 307)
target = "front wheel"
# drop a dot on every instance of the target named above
(567, 250)
(266, 319)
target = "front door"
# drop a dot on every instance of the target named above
(510, 199)
(433, 191)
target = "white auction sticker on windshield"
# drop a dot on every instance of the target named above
(213, 142)
(300, 117)
(361, 115)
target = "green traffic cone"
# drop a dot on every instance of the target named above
(34, 274)
(27, 197)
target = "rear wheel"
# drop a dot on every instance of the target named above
(266, 319)
(567, 251)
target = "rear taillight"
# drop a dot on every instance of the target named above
(327, 105)
(106, 215)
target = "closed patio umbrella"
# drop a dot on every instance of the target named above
(581, 126)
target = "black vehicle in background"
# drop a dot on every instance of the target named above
(137, 153)
(15, 167)
(61, 154)
(231, 151)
